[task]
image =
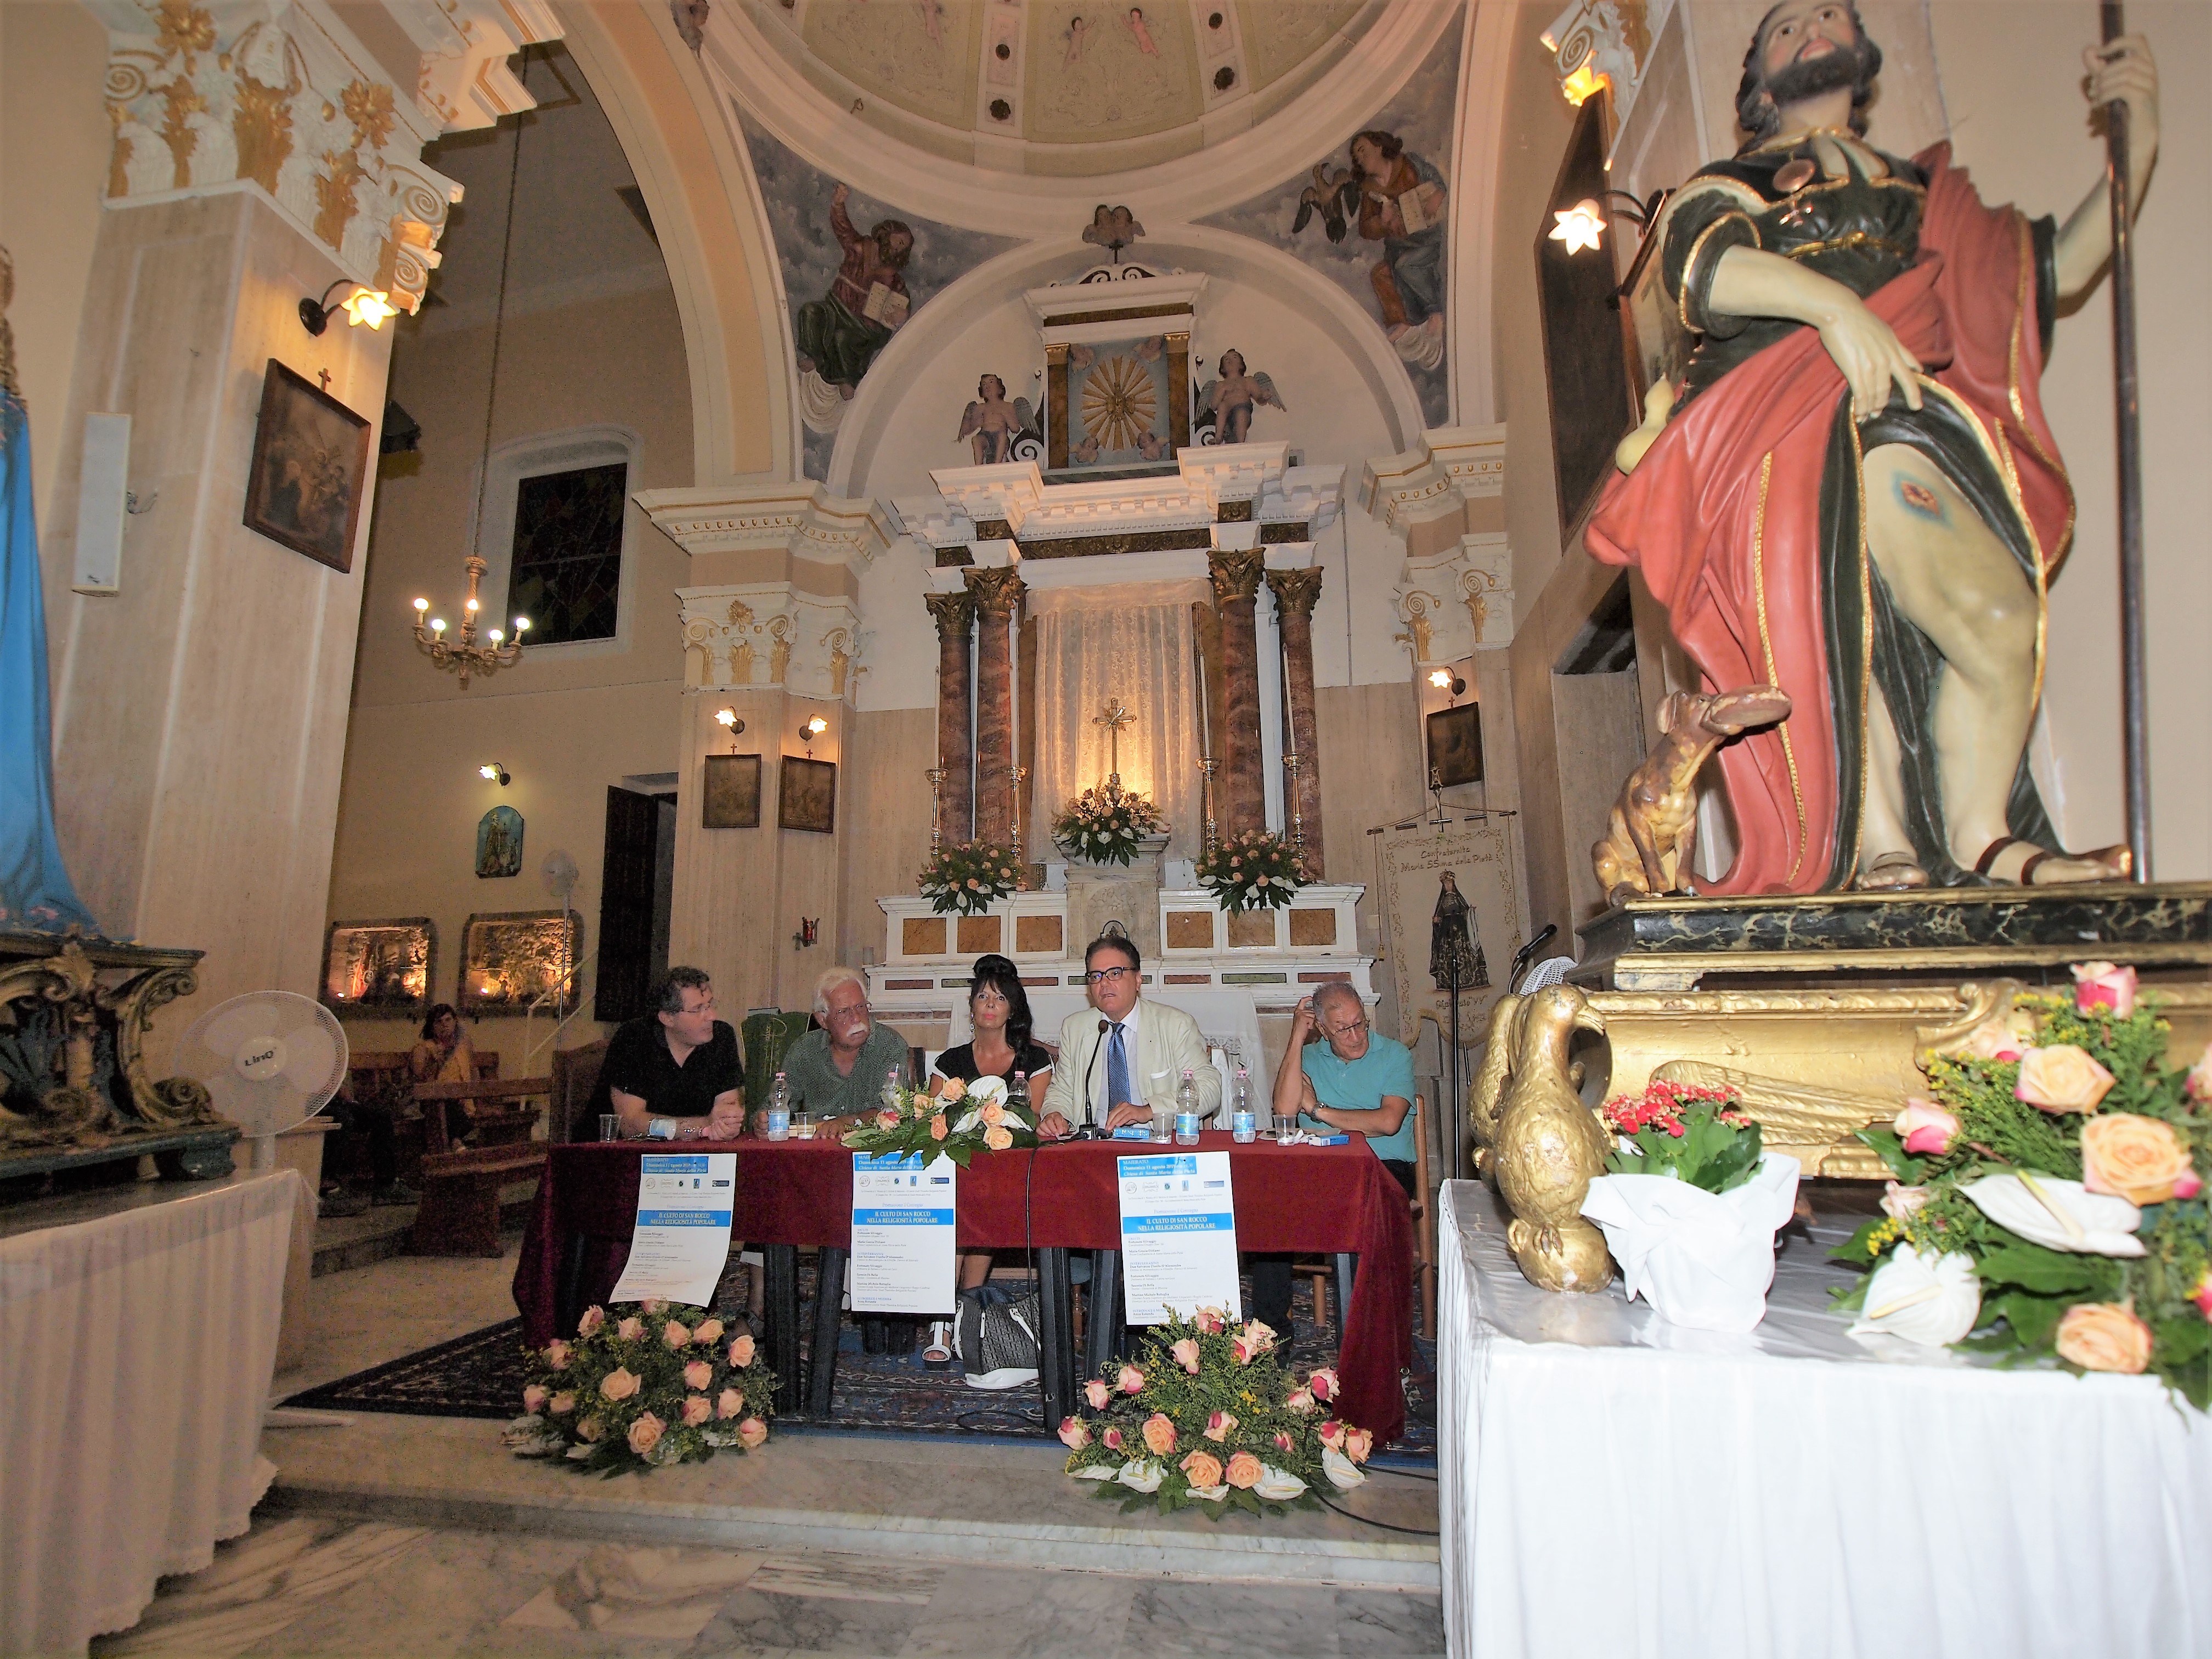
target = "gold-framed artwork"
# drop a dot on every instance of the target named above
(806, 796)
(511, 959)
(1456, 745)
(382, 968)
(310, 468)
(730, 798)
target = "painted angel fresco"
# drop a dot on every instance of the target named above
(1226, 402)
(993, 425)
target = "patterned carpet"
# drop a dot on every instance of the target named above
(480, 1375)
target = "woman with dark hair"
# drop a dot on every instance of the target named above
(1003, 1043)
(443, 1056)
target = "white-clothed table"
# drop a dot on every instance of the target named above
(136, 1352)
(1614, 1485)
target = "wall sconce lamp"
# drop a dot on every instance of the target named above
(1445, 681)
(1582, 225)
(364, 305)
(493, 772)
(728, 721)
(815, 725)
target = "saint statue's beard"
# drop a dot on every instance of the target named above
(1809, 77)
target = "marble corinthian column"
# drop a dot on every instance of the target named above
(1243, 798)
(956, 616)
(1295, 592)
(998, 595)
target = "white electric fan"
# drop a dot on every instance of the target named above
(271, 1059)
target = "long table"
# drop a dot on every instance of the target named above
(1612, 1484)
(1317, 1201)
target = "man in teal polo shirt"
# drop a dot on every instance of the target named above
(1353, 1081)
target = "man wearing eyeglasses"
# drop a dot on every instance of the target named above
(1354, 1080)
(1122, 1053)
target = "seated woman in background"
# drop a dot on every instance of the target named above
(443, 1056)
(1003, 1044)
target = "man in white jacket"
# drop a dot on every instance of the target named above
(1123, 1053)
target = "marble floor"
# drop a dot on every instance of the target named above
(303, 1585)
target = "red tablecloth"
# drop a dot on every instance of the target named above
(1313, 1199)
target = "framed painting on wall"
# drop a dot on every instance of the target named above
(1456, 745)
(731, 797)
(806, 798)
(381, 967)
(310, 468)
(509, 959)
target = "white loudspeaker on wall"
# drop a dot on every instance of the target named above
(102, 502)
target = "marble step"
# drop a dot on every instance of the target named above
(344, 1242)
(883, 1496)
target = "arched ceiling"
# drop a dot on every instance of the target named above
(1063, 88)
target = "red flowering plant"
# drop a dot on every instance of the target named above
(1694, 1134)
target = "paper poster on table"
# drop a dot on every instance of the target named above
(1178, 1236)
(683, 1236)
(903, 1216)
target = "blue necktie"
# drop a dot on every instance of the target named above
(1118, 1068)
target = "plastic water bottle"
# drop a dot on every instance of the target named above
(1017, 1097)
(892, 1090)
(779, 1108)
(1186, 1130)
(1243, 1125)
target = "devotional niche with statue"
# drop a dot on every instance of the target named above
(1847, 497)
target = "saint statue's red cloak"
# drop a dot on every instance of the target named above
(1721, 514)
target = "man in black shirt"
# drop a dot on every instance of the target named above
(674, 1074)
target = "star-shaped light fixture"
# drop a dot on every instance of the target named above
(1582, 226)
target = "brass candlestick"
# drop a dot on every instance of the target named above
(936, 774)
(1014, 818)
(1292, 763)
(1207, 766)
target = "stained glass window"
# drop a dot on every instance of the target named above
(567, 574)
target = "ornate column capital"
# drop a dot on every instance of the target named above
(1235, 574)
(955, 613)
(211, 95)
(997, 591)
(1295, 590)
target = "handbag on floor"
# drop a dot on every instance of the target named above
(996, 1337)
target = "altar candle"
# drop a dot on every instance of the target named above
(1014, 693)
(1204, 716)
(1290, 727)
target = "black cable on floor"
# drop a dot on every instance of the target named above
(1415, 1532)
(1410, 1474)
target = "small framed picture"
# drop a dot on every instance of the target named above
(807, 797)
(310, 468)
(381, 967)
(514, 959)
(730, 797)
(1456, 745)
(1658, 345)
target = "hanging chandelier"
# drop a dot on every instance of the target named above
(468, 655)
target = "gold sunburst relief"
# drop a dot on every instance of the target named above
(1119, 403)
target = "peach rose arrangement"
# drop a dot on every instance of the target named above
(1208, 1415)
(955, 1118)
(2050, 1192)
(641, 1385)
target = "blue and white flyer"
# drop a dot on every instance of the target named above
(682, 1239)
(902, 1220)
(1178, 1236)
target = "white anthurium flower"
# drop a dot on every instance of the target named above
(1343, 1473)
(986, 1090)
(1276, 1485)
(1143, 1475)
(966, 1122)
(2060, 1215)
(1096, 1472)
(1210, 1494)
(1930, 1299)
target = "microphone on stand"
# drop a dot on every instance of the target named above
(1526, 953)
(1104, 1026)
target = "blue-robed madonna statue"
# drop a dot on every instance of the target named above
(35, 891)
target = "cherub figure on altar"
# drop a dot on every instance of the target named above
(991, 423)
(1230, 398)
(1852, 494)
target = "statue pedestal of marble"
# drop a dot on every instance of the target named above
(1126, 893)
(1835, 992)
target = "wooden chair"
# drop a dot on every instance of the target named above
(575, 1080)
(1323, 1274)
